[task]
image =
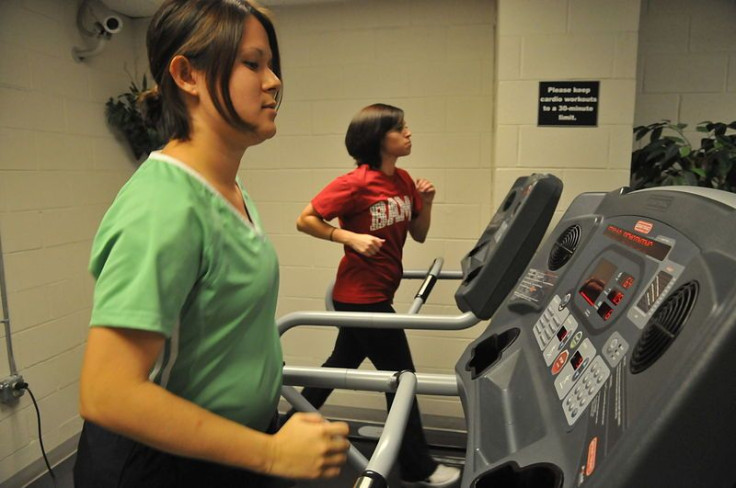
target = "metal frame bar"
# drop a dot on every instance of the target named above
(412, 274)
(377, 320)
(367, 380)
(388, 445)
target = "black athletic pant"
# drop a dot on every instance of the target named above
(108, 460)
(388, 350)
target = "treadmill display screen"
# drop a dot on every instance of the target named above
(655, 249)
(594, 285)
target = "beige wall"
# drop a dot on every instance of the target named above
(559, 40)
(59, 169)
(444, 62)
(687, 62)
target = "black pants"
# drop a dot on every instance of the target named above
(388, 350)
(108, 460)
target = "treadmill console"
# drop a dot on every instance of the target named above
(593, 317)
(610, 362)
(495, 263)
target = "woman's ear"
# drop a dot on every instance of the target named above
(184, 75)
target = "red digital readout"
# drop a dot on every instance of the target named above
(561, 334)
(605, 311)
(657, 250)
(615, 296)
(626, 281)
(594, 285)
(576, 360)
(586, 297)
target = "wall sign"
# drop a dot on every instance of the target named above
(568, 103)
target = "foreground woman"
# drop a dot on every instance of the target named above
(182, 370)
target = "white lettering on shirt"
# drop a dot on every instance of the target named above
(378, 215)
(394, 209)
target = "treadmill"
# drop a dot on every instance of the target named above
(611, 363)
(489, 272)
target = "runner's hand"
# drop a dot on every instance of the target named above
(309, 447)
(366, 244)
(426, 190)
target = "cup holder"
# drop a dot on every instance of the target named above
(487, 352)
(509, 475)
(471, 276)
(482, 243)
(509, 200)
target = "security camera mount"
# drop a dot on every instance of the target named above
(96, 21)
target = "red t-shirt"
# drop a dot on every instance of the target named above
(367, 201)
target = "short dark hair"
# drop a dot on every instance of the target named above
(367, 130)
(208, 33)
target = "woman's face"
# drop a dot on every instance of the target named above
(253, 86)
(397, 142)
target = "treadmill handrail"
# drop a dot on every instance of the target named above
(377, 320)
(388, 445)
(367, 380)
(417, 274)
(412, 274)
(427, 285)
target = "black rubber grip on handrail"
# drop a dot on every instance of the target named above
(426, 287)
(370, 479)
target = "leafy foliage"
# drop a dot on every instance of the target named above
(670, 159)
(124, 115)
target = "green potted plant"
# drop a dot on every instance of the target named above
(669, 158)
(123, 114)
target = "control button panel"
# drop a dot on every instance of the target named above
(579, 371)
(614, 349)
(573, 365)
(560, 339)
(585, 390)
(546, 328)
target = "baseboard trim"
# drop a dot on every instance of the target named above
(37, 469)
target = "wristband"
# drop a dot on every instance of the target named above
(332, 232)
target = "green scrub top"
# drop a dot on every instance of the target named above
(172, 256)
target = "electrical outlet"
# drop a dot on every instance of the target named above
(9, 393)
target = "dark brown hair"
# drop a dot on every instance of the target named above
(208, 33)
(367, 130)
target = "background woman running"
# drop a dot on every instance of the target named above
(377, 205)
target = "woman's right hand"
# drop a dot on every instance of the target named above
(366, 244)
(309, 447)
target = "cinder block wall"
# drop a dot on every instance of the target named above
(687, 63)
(59, 169)
(561, 40)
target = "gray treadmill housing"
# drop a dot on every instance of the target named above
(617, 368)
(492, 267)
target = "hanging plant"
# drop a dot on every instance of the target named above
(124, 115)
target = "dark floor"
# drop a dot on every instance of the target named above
(63, 473)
